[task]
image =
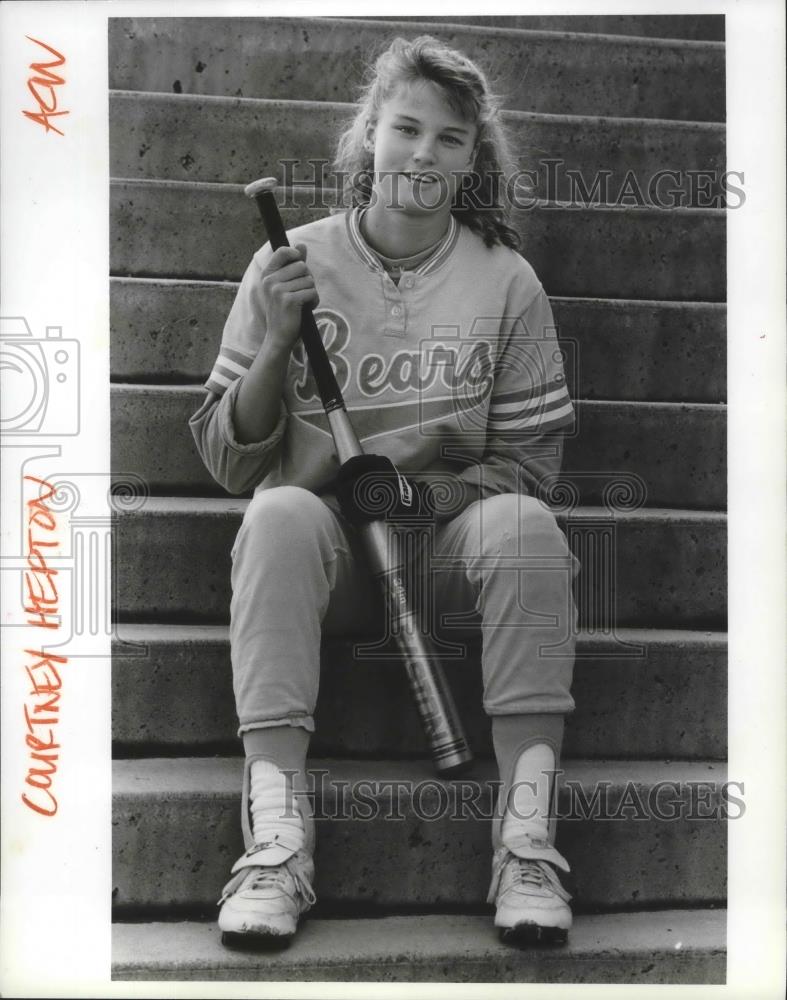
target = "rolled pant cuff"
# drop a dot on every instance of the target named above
(304, 721)
(550, 704)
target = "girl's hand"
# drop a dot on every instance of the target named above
(287, 285)
(370, 488)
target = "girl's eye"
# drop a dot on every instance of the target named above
(450, 140)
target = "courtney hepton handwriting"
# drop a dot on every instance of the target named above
(42, 706)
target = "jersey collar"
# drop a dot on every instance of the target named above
(432, 263)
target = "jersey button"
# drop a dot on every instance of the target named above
(408, 282)
(396, 310)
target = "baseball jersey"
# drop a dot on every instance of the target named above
(454, 371)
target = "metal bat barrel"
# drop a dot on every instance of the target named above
(435, 704)
(440, 719)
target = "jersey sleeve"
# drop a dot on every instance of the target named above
(235, 466)
(244, 329)
(530, 408)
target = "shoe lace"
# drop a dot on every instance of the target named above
(267, 878)
(527, 872)
(539, 874)
(277, 877)
(273, 876)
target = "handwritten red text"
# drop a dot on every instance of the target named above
(40, 585)
(42, 709)
(42, 714)
(42, 86)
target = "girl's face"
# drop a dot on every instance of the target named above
(422, 148)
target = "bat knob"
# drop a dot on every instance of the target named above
(257, 187)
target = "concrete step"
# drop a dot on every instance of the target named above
(694, 27)
(184, 230)
(656, 442)
(670, 566)
(170, 330)
(666, 946)
(323, 59)
(161, 136)
(378, 817)
(646, 693)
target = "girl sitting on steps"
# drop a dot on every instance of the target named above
(419, 280)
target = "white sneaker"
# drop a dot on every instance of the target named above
(531, 904)
(263, 903)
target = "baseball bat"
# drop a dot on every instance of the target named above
(442, 725)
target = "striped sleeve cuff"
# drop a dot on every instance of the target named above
(230, 365)
(546, 409)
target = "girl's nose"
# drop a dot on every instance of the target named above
(424, 152)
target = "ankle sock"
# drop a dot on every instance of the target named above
(275, 819)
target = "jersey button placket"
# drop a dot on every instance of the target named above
(396, 318)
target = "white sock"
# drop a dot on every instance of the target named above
(277, 825)
(527, 815)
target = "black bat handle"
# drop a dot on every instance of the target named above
(263, 192)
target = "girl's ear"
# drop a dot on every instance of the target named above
(368, 138)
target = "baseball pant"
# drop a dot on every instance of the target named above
(298, 572)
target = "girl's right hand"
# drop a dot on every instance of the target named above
(287, 285)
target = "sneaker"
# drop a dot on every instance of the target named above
(531, 904)
(263, 903)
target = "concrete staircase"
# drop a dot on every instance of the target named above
(199, 107)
